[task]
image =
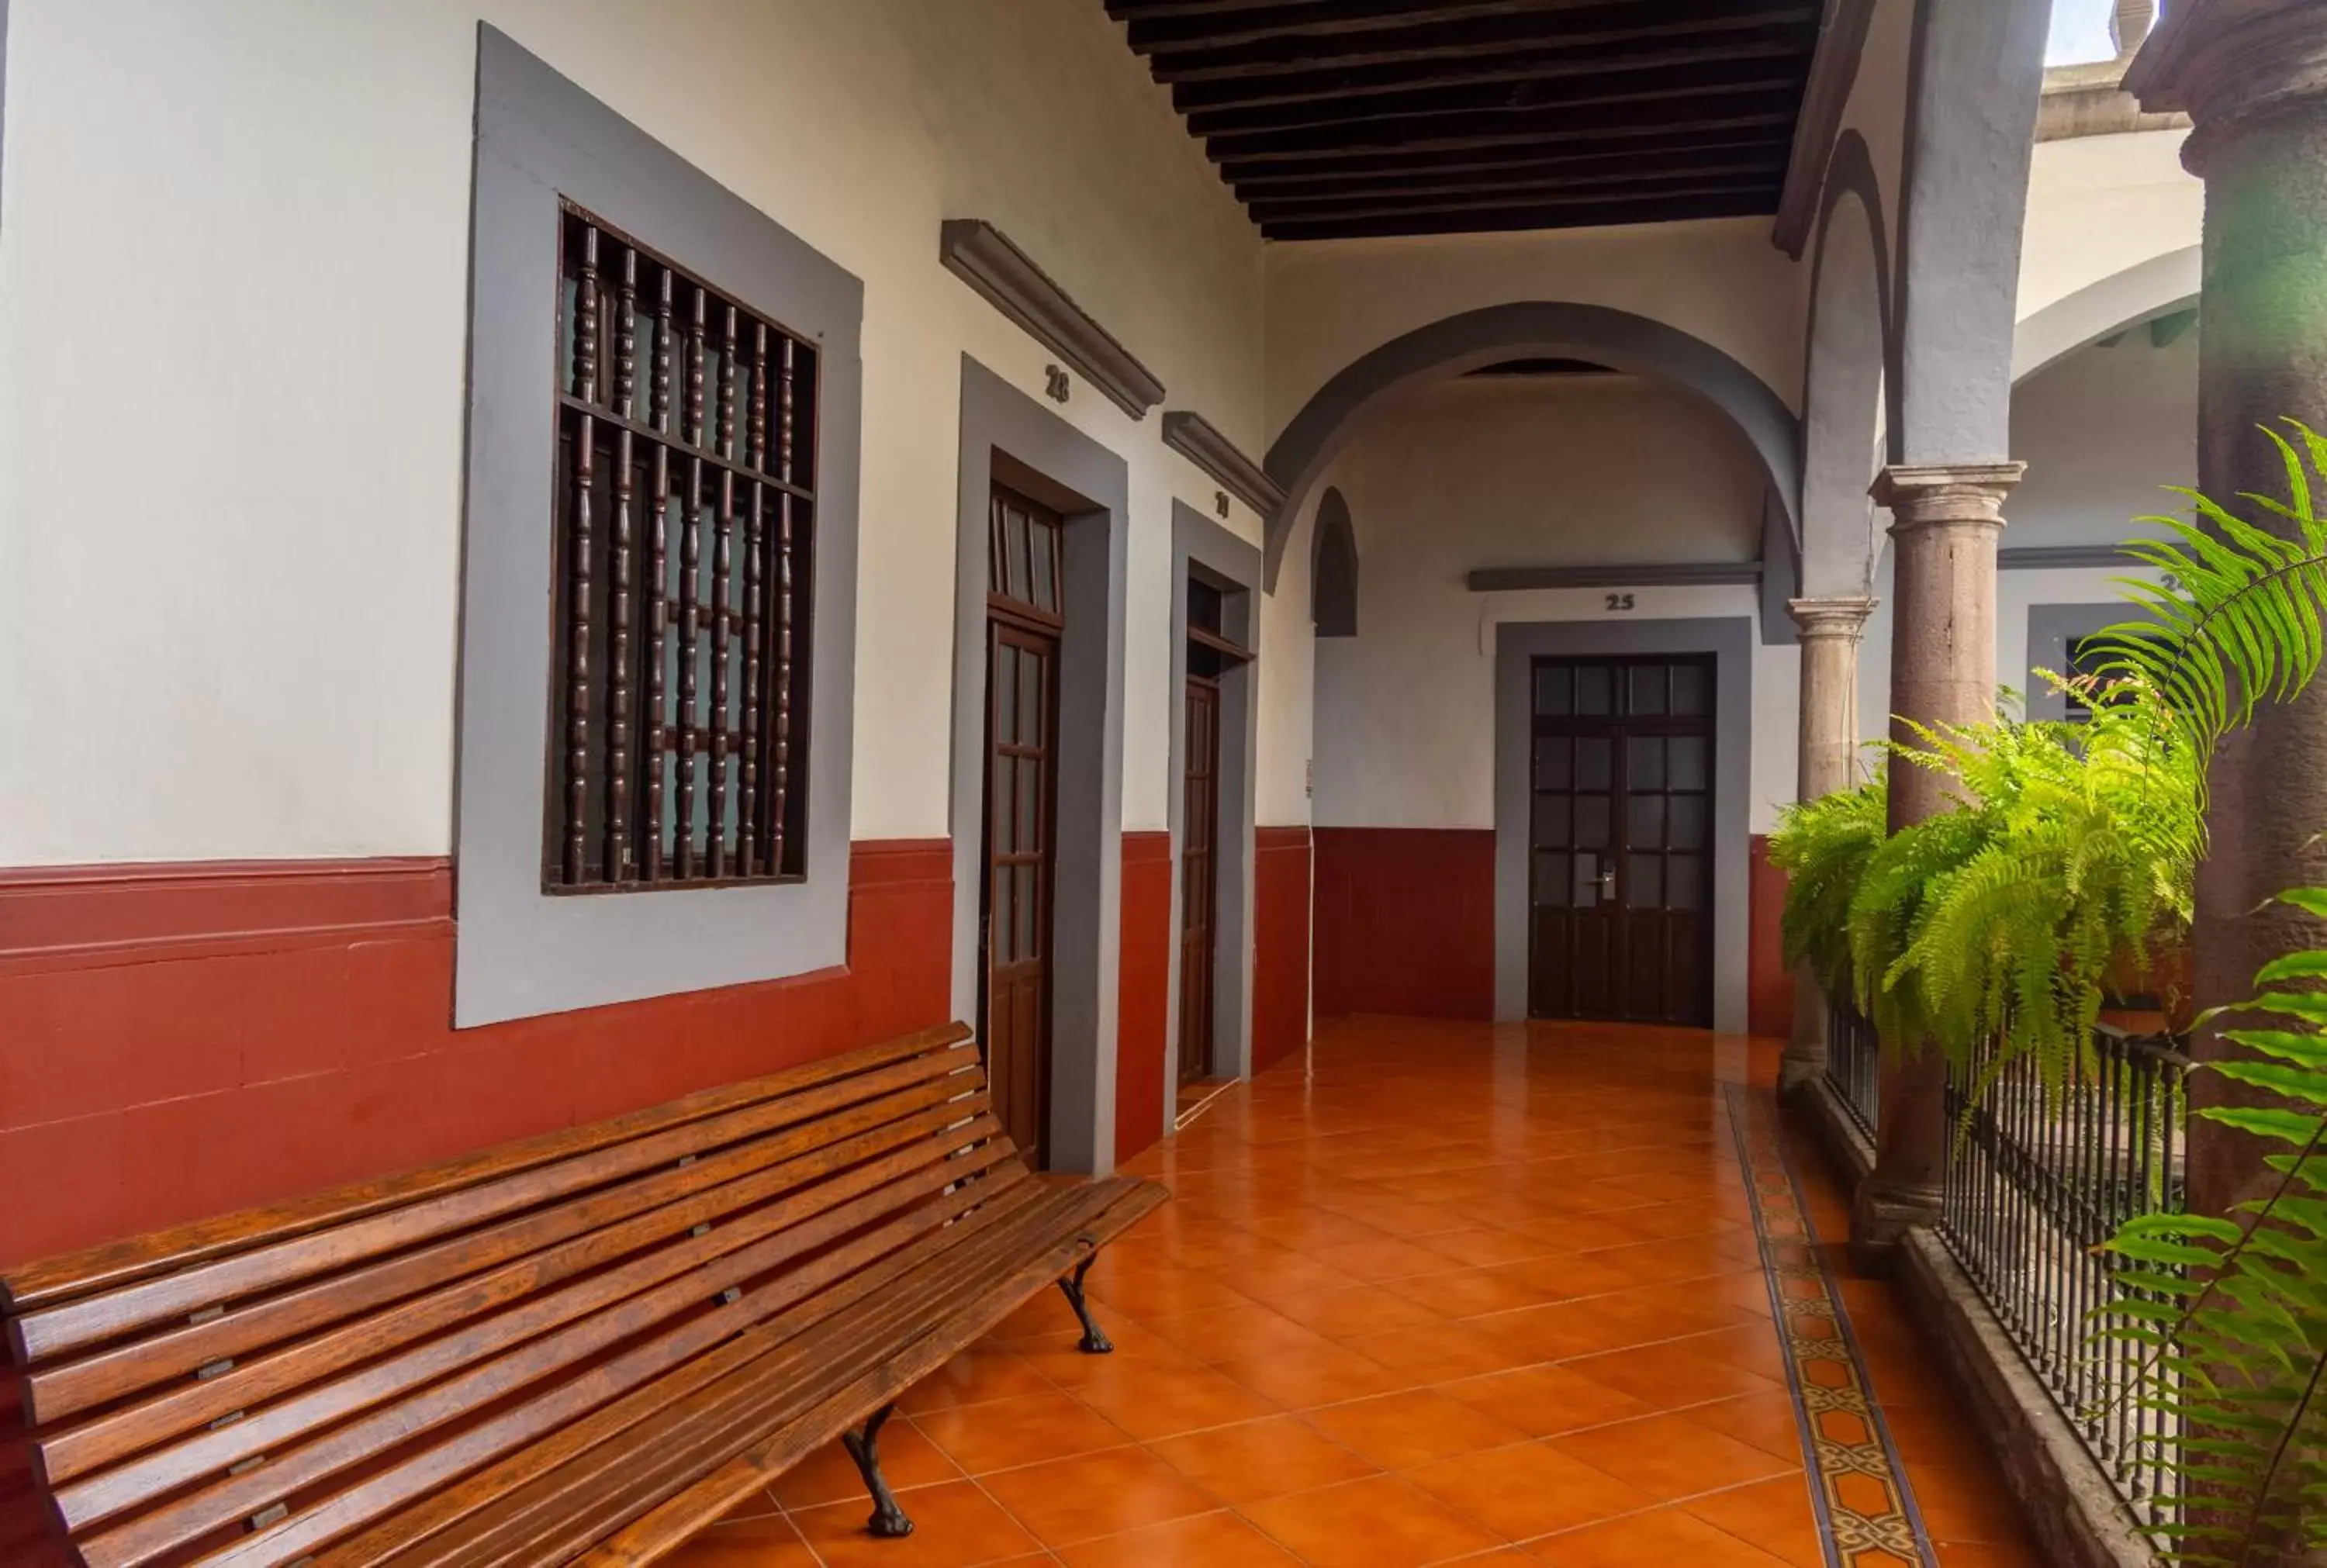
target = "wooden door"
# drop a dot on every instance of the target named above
(1620, 840)
(1022, 716)
(1200, 833)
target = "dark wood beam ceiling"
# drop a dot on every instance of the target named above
(1340, 117)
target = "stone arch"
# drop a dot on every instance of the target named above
(2145, 289)
(1525, 330)
(1334, 569)
(1847, 380)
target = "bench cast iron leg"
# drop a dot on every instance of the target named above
(1094, 1343)
(888, 1521)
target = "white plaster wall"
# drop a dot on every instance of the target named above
(232, 319)
(2102, 432)
(2098, 205)
(1288, 677)
(1498, 473)
(1876, 108)
(1332, 300)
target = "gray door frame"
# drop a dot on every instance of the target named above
(1007, 435)
(1200, 544)
(1730, 641)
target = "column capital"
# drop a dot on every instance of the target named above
(1840, 617)
(2230, 63)
(1921, 494)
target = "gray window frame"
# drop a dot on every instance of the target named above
(521, 952)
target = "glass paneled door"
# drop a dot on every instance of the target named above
(1620, 840)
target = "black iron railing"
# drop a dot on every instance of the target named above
(1852, 1065)
(2037, 1179)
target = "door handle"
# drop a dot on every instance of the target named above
(1607, 880)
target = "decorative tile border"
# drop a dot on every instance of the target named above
(1866, 1512)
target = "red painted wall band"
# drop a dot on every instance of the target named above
(1769, 984)
(1405, 922)
(1281, 896)
(1143, 992)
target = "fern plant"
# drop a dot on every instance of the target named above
(2228, 1318)
(1823, 846)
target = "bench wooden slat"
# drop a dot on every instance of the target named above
(602, 1490)
(810, 1222)
(42, 1333)
(118, 1263)
(663, 1528)
(1009, 1189)
(443, 1465)
(535, 1250)
(899, 1146)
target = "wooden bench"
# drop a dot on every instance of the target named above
(585, 1346)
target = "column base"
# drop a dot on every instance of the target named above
(1803, 1064)
(1882, 1213)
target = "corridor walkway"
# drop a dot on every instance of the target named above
(1440, 1293)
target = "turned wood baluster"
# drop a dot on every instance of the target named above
(690, 590)
(619, 701)
(723, 598)
(754, 566)
(659, 574)
(780, 758)
(580, 545)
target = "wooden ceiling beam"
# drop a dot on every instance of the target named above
(1506, 190)
(1165, 10)
(1764, 186)
(1459, 133)
(1525, 167)
(1747, 204)
(1339, 19)
(1600, 24)
(1643, 153)
(1695, 83)
(1503, 66)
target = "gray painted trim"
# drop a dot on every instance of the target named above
(1333, 568)
(1781, 577)
(1730, 639)
(1087, 911)
(1197, 439)
(4, 105)
(1528, 329)
(518, 951)
(1638, 574)
(2051, 628)
(1833, 67)
(1976, 75)
(1199, 543)
(1852, 173)
(983, 258)
(2052, 557)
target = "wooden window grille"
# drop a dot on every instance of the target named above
(686, 541)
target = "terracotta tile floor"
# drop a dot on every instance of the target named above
(1439, 1293)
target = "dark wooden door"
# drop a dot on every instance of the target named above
(1621, 834)
(1200, 833)
(1024, 619)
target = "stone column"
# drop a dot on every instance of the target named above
(1946, 519)
(2252, 78)
(1830, 630)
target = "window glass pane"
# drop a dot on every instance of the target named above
(1031, 670)
(997, 805)
(1030, 799)
(1554, 762)
(1644, 761)
(1554, 689)
(1595, 757)
(1689, 821)
(1551, 819)
(1685, 879)
(1648, 683)
(1692, 690)
(1006, 691)
(1595, 689)
(1686, 764)
(1046, 580)
(1551, 881)
(1029, 906)
(1001, 927)
(1644, 881)
(1018, 573)
(1644, 826)
(1591, 822)
(1586, 885)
